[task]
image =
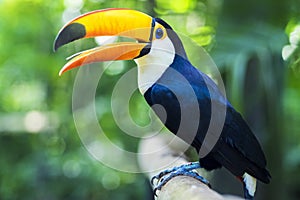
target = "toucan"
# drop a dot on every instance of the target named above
(188, 98)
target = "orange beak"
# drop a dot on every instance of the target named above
(108, 22)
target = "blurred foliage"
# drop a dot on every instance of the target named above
(41, 155)
(291, 51)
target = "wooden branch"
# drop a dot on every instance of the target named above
(162, 152)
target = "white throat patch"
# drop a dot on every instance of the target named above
(152, 66)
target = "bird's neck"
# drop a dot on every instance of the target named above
(152, 66)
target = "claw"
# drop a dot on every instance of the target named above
(155, 190)
(156, 177)
(163, 173)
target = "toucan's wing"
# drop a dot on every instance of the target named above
(236, 131)
(239, 136)
(245, 149)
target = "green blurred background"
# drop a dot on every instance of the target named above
(254, 44)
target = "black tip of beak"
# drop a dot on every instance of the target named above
(68, 34)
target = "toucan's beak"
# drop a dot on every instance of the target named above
(108, 22)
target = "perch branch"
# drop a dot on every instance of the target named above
(164, 151)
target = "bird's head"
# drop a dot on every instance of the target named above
(154, 50)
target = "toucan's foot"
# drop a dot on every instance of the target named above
(186, 170)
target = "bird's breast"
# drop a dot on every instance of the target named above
(186, 107)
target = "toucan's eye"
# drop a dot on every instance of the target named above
(159, 33)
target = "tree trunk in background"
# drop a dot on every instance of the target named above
(263, 108)
(249, 28)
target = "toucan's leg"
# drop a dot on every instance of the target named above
(186, 169)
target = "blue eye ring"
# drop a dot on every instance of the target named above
(159, 33)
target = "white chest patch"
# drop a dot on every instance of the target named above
(152, 66)
(250, 183)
